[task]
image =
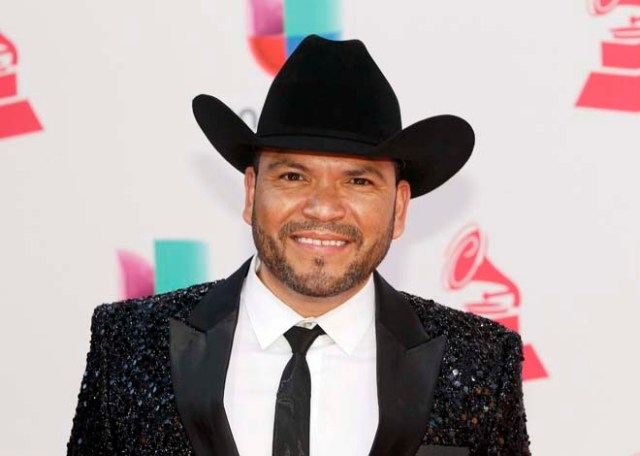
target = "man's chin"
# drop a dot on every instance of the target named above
(318, 290)
(318, 270)
(322, 284)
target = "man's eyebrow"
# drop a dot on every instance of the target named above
(366, 169)
(285, 162)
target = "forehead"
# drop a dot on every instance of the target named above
(315, 159)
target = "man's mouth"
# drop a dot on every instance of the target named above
(319, 242)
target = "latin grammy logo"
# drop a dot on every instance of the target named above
(467, 267)
(617, 84)
(16, 115)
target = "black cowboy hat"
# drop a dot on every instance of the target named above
(331, 97)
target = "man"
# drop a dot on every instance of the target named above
(306, 349)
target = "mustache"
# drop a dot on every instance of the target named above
(349, 231)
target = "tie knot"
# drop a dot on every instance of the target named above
(301, 339)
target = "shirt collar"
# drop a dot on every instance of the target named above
(270, 318)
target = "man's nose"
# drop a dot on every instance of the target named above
(324, 203)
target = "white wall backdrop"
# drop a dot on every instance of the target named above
(120, 161)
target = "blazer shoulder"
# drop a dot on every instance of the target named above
(151, 309)
(439, 319)
(480, 379)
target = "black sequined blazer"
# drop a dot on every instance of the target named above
(449, 383)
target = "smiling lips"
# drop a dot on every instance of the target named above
(323, 242)
(320, 241)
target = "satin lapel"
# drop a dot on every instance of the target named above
(200, 351)
(408, 365)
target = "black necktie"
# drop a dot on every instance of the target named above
(291, 426)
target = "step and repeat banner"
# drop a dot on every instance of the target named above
(108, 189)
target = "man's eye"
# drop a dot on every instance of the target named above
(361, 181)
(291, 176)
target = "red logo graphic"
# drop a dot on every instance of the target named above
(468, 268)
(16, 115)
(616, 85)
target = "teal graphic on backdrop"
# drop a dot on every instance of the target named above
(178, 263)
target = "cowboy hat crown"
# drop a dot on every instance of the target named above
(331, 97)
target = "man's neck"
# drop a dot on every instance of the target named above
(307, 306)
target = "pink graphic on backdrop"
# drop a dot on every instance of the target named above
(137, 275)
(267, 17)
(499, 298)
(616, 85)
(16, 115)
(266, 33)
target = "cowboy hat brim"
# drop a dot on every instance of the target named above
(432, 149)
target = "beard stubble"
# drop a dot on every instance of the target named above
(318, 283)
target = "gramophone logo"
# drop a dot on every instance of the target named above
(488, 292)
(276, 27)
(616, 85)
(16, 115)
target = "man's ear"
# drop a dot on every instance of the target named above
(403, 195)
(249, 193)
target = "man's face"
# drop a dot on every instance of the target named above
(323, 223)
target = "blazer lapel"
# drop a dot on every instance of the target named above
(408, 365)
(200, 349)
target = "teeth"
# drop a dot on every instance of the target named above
(311, 241)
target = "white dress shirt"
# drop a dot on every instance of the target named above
(344, 401)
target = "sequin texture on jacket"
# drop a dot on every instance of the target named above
(126, 404)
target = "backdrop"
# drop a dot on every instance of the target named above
(109, 190)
